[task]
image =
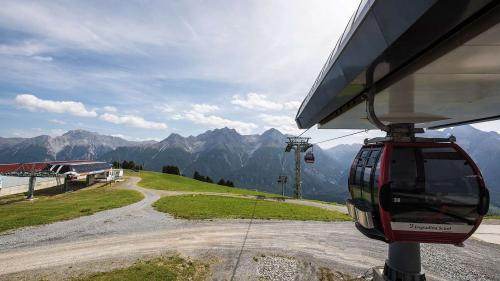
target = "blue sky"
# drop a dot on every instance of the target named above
(145, 69)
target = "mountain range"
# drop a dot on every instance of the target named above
(250, 161)
(483, 148)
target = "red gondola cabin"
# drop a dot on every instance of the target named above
(416, 192)
(309, 157)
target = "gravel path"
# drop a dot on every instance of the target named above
(135, 218)
(137, 230)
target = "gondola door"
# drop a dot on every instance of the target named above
(363, 206)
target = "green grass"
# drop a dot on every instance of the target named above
(493, 213)
(209, 207)
(156, 180)
(50, 206)
(325, 202)
(164, 269)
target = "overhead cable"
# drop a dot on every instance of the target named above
(336, 138)
(304, 132)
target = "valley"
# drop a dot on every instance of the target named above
(116, 238)
(250, 161)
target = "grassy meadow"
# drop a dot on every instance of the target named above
(160, 269)
(157, 180)
(50, 205)
(223, 207)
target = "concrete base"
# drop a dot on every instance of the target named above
(89, 180)
(24, 187)
(488, 232)
(378, 274)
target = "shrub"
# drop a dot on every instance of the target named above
(173, 170)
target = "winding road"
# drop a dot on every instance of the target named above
(112, 237)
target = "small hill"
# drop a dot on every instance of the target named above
(161, 181)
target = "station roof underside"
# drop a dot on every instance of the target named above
(433, 63)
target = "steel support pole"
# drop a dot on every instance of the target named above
(65, 186)
(404, 263)
(298, 193)
(31, 188)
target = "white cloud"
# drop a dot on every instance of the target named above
(165, 108)
(199, 114)
(489, 126)
(283, 123)
(213, 121)
(293, 105)
(262, 103)
(110, 109)
(56, 121)
(32, 103)
(136, 59)
(34, 132)
(332, 136)
(26, 48)
(134, 138)
(205, 108)
(257, 47)
(133, 121)
(42, 58)
(177, 117)
(120, 136)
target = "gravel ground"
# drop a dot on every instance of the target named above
(476, 261)
(277, 268)
(135, 218)
(137, 230)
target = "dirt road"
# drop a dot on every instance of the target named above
(137, 230)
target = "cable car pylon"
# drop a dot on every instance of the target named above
(282, 179)
(299, 145)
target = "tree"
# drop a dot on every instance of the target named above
(229, 183)
(131, 165)
(200, 177)
(116, 165)
(173, 170)
(221, 182)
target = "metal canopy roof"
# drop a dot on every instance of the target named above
(436, 63)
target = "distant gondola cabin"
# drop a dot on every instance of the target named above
(309, 157)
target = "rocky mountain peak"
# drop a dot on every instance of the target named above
(79, 134)
(220, 132)
(272, 137)
(172, 138)
(272, 133)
